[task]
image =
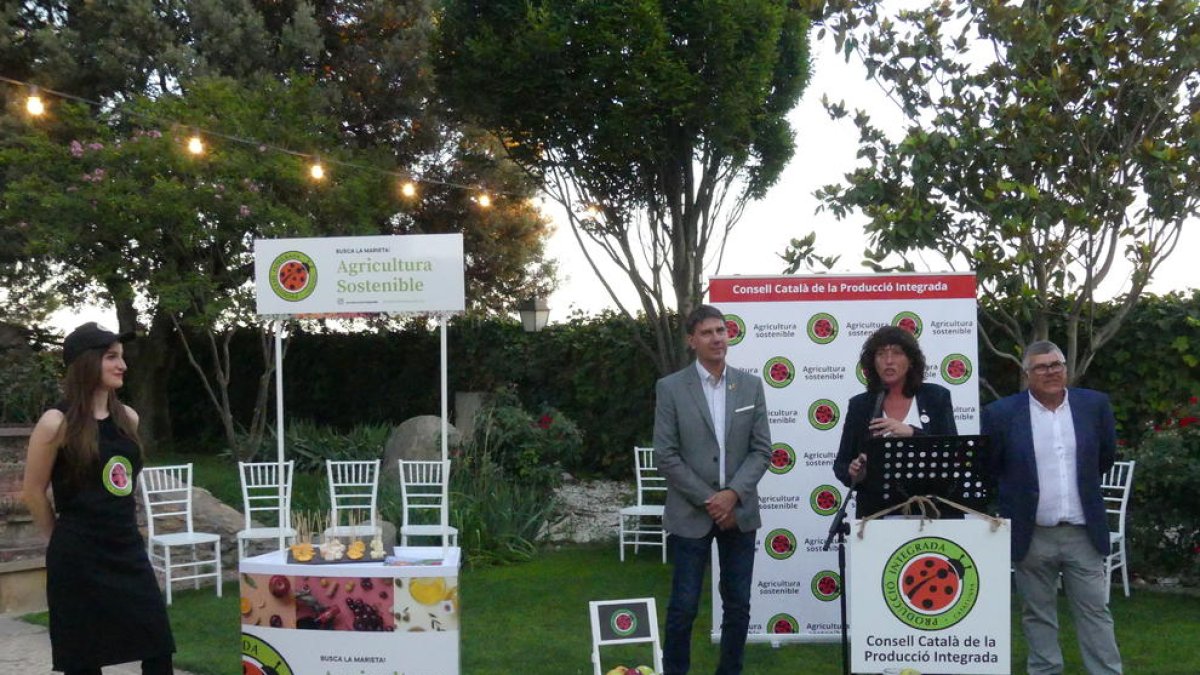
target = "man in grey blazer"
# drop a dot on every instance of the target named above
(712, 444)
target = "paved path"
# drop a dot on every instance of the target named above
(25, 649)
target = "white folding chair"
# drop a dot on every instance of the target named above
(423, 491)
(1116, 486)
(642, 524)
(623, 622)
(167, 494)
(353, 495)
(260, 496)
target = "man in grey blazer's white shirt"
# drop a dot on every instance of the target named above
(712, 444)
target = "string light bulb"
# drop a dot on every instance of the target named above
(408, 189)
(316, 170)
(34, 104)
(195, 144)
(485, 200)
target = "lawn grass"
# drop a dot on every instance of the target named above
(533, 619)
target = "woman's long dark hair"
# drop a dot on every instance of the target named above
(78, 438)
(886, 337)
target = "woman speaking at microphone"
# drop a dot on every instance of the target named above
(897, 402)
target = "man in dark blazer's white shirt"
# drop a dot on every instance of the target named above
(712, 444)
(1049, 447)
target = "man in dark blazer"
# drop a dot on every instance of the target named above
(712, 444)
(1050, 445)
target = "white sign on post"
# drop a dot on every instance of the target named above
(414, 273)
(931, 596)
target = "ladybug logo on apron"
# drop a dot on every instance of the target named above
(118, 476)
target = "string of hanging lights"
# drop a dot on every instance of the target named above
(36, 107)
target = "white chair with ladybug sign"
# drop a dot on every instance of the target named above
(642, 524)
(625, 622)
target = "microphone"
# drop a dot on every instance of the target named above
(877, 409)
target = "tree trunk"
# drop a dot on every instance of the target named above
(150, 359)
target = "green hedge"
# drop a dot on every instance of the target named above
(588, 367)
(1148, 368)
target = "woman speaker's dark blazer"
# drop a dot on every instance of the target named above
(934, 404)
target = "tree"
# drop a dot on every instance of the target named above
(651, 123)
(1074, 139)
(136, 234)
(120, 211)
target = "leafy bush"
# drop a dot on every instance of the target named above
(531, 450)
(29, 385)
(502, 480)
(499, 520)
(310, 444)
(1165, 505)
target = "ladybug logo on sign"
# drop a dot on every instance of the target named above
(783, 624)
(624, 622)
(780, 544)
(783, 458)
(825, 500)
(822, 328)
(956, 369)
(823, 414)
(735, 329)
(930, 583)
(826, 585)
(293, 276)
(909, 321)
(779, 372)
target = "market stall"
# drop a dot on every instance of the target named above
(394, 610)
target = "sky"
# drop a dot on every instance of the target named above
(825, 151)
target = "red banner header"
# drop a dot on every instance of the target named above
(827, 287)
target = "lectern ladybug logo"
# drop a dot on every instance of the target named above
(930, 583)
(293, 276)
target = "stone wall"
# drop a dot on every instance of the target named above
(19, 539)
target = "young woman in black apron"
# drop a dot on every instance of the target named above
(105, 606)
